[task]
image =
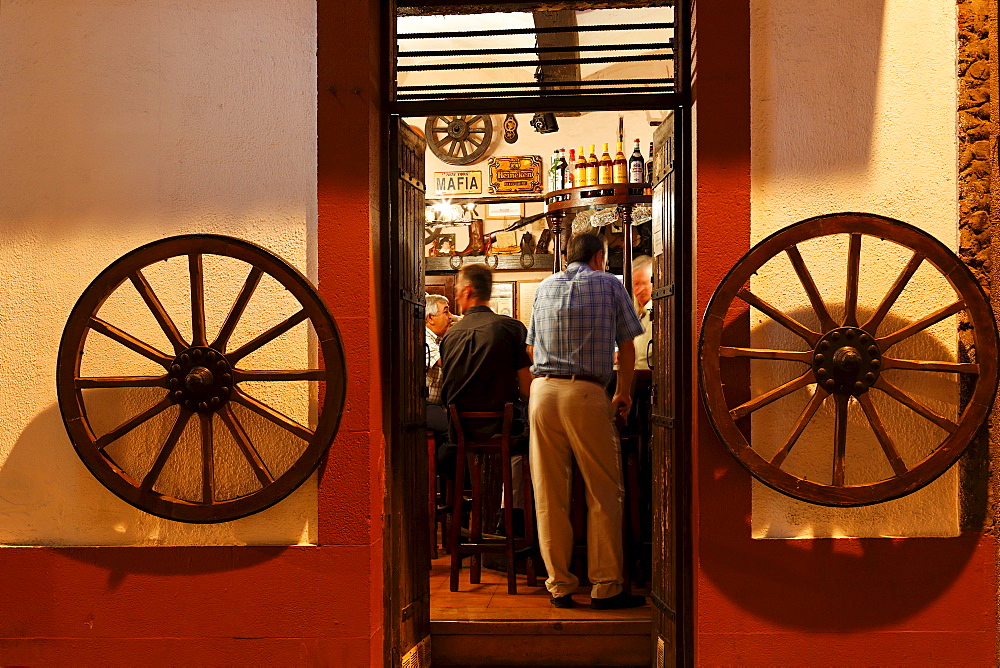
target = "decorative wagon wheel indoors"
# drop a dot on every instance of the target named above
(459, 140)
(854, 398)
(201, 378)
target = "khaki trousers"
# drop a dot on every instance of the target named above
(573, 419)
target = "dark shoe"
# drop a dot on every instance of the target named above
(563, 601)
(618, 601)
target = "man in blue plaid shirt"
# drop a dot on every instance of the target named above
(578, 316)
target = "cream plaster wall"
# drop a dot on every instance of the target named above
(853, 109)
(122, 123)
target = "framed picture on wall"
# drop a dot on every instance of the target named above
(502, 301)
(526, 300)
(505, 210)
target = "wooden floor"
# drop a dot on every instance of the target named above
(490, 600)
(483, 625)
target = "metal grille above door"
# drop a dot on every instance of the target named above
(620, 57)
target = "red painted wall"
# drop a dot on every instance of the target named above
(803, 602)
(243, 605)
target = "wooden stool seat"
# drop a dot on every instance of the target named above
(479, 541)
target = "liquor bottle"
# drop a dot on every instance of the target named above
(636, 165)
(553, 170)
(563, 171)
(592, 167)
(570, 169)
(580, 170)
(604, 167)
(619, 169)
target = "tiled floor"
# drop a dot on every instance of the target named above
(490, 600)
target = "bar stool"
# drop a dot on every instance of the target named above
(439, 504)
(509, 544)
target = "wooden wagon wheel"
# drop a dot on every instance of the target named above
(459, 140)
(844, 359)
(201, 393)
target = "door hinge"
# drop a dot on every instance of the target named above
(412, 298)
(663, 607)
(665, 291)
(662, 421)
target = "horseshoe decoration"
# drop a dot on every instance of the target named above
(852, 368)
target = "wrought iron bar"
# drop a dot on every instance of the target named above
(535, 31)
(536, 49)
(531, 84)
(533, 63)
(543, 93)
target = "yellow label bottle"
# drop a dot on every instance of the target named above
(592, 167)
(619, 170)
(604, 167)
(580, 169)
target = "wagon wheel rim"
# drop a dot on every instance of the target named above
(860, 363)
(201, 381)
(461, 139)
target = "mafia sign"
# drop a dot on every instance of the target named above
(458, 183)
(515, 174)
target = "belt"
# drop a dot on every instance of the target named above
(578, 376)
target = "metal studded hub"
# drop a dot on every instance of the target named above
(847, 361)
(200, 379)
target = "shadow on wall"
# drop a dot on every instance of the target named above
(833, 108)
(46, 491)
(835, 584)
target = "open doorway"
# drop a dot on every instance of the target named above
(487, 180)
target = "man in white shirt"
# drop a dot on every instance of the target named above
(437, 320)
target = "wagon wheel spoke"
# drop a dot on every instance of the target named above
(893, 294)
(800, 424)
(156, 307)
(453, 151)
(888, 447)
(478, 131)
(892, 339)
(197, 273)
(207, 459)
(853, 278)
(768, 397)
(121, 381)
(253, 457)
(839, 439)
(474, 120)
(236, 312)
(129, 341)
(825, 320)
(915, 405)
(929, 365)
(166, 450)
(779, 316)
(465, 151)
(267, 336)
(271, 414)
(764, 354)
(132, 423)
(301, 374)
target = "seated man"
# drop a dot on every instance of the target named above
(484, 363)
(437, 320)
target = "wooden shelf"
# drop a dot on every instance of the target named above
(450, 263)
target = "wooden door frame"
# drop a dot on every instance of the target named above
(684, 279)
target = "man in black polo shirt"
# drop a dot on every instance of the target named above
(484, 362)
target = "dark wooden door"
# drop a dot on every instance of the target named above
(407, 559)
(669, 445)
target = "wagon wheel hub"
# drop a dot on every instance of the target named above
(458, 129)
(847, 361)
(200, 379)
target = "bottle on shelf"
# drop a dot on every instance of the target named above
(570, 178)
(580, 169)
(592, 167)
(565, 172)
(604, 167)
(636, 165)
(619, 169)
(553, 170)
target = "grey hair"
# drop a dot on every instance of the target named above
(642, 263)
(433, 304)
